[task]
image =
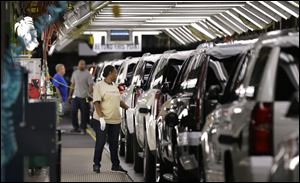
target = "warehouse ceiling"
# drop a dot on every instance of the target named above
(189, 21)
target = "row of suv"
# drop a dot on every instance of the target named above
(221, 112)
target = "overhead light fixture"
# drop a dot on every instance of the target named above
(294, 4)
(147, 32)
(183, 31)
(205, 5)
(199, 28)
(259, 9)
(172, 20)
(175, 31)
(179, 32)
(177, 39)
(257, 14)
(220, 27)
(239, 20)
(190, 33)
(166, 24)
(232, 22)
(273, 9)
(279, 4)
(246, 16)
(215, 30)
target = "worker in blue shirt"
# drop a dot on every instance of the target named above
(60, 84)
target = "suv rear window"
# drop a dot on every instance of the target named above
(287, 75)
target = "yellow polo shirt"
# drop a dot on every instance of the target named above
(109, 98)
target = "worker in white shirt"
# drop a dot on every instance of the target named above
(107, 118)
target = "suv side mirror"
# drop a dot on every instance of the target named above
(165, 88)
(293, 110)
(214, 92)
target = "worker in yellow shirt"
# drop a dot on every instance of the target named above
(107, 118)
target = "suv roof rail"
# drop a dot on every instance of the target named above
(205, 45)
(146, 54)
(169, 51)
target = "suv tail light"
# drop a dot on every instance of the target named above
(137, 94)
(261, 130)
(159, 100)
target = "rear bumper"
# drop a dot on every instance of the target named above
(189, 139)
(257, 169)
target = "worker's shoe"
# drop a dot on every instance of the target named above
(118, 169)
(83, 132)
(96, 168)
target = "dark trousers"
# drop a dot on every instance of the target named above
(80, 103)
(112, 133)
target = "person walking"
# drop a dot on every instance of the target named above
(82, 83)
(107, 118)
(61, 85)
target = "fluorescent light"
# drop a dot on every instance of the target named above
(196, 26)
(174, 36)
(205, 5)
(180, 24)
(231, 22)
(215, 30)
(183, 35)
(147, 32)
(134, 13)
(120, 18)
(293, 3)
(175, 31)
(187, 34)
(190, 33)
(286, 9)
(151, 17)
(220, 27)
(273, 9)
(255, 14)
(258, 8)
(172, 20)
(239, 20)
(246, 16)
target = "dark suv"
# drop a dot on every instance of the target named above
(195, 94)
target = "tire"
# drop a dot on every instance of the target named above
(149, 164)
(122, 144)
(138, 162)
(129, 148)
(161, 167)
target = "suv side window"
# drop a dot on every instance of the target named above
(182, 74)
(149, 80)
(138, 71)
(193, 74)
(236, 78)
(172, 70)
(147, 69)
(259, 67)
(287, 75)
(120, 73)
(130, 71)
